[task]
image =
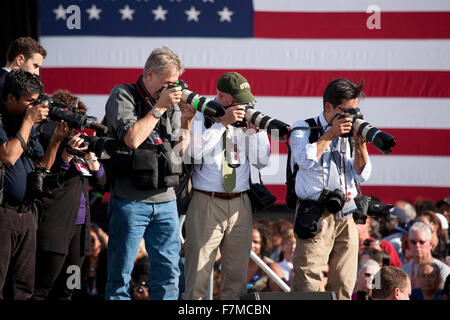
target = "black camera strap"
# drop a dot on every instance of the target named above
(143, 92)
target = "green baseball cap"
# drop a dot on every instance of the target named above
(237, 86)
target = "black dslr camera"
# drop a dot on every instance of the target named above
(37, 184)
(381, 140)
(59, 111)
(354, 114)
(103, 147)
(367, 206)
(333, 201)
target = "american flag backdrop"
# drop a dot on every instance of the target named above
(289, 51)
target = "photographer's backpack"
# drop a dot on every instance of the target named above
(291, 196)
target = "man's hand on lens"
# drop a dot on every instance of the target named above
(251, 128)
(37, 113)
(187, 111)
(358, 139)
(62, 131)
(233, 114)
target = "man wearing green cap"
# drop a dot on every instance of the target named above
(220, 214)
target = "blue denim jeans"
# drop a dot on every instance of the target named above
(158, 224)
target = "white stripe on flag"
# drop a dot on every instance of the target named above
(267, 54)
(380, 112)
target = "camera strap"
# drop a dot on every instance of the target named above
(334, 161)
(143, 92)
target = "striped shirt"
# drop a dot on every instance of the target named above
(309, 179)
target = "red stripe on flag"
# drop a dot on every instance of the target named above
(424, 142)
(388, 194)
(264, 82)
(351, 25)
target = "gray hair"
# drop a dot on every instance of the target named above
(422, 227)
(161, 58)
(369, 264)
(408, 208)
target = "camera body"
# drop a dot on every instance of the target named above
(36, 185)
(333, 201)
(354, 114)
(202, 104)
(367, 206)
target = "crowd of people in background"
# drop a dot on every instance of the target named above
(274, 242)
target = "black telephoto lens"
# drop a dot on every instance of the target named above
(383, 141)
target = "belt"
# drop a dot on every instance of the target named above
(21, 208)
(222, 195)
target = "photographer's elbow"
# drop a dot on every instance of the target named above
(8, 162)
(131, 143)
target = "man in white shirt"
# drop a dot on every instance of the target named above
(220, 213)
(328, 163)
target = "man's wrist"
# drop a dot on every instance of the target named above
(329, 136)
(186, 122)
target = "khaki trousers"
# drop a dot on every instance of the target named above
(213, 223)
(337, 246)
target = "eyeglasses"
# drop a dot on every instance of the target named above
(348, 110)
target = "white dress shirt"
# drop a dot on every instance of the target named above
(309, 179)
(206, 150)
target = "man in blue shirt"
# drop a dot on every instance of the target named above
(19, 151)
(328, 163)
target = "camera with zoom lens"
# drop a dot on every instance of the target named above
(273, 126)
(367, 206)
(60, 111)
(333, 201)
(383, 141)
(103, 147)
(202, 104)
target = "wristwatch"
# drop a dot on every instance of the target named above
(156, 113)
